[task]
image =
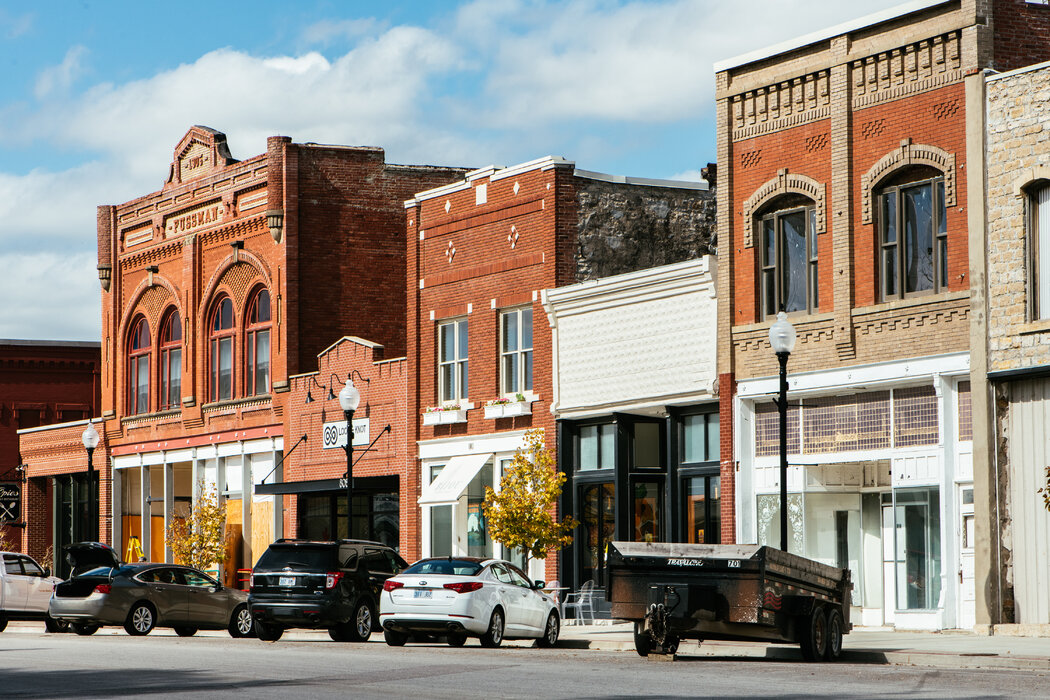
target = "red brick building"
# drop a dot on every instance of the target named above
(43, 382)
(217, 289)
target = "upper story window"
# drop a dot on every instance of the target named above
(597, 447)
(257, 344)
(138, 367)
(913, 235)
(220, 350)
(516, 351)
(452, 360)
(789, 257)
(170, 361)
(1039, 251)
(700, 438)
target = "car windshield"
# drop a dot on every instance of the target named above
(303, 558)
(448, 567)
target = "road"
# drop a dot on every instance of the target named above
(308, 665)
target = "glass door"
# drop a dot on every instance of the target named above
(597, 525)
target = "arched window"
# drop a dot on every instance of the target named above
(138, 367)
(788, 257)
(170, 361)
(1038, 196)
(257, 345)
(220, 349)
(913, 234)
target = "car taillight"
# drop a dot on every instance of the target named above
(391, 585)
(464, 587)
(332, 579)
(103, 588)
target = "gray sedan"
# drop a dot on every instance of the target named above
(142, 596)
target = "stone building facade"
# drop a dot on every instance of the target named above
(847, 166)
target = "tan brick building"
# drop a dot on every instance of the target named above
(847, 181)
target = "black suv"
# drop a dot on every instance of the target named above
(321, 585)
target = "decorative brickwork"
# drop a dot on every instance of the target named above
(907, 154)
(786, 104)
(914, 68)
(783, 183)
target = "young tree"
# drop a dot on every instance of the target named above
(1045, 491)
(200, 539)
(521, 514)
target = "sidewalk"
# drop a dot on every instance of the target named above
(951, 649)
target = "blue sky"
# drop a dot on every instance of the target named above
(94, 96)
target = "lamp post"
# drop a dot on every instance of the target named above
(349, 398)
(782, 339)
(90, 439)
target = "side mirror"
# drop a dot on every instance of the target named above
(47, 571)
(538, 584)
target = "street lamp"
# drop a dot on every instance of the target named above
(782, 338)
(90, 439)
(349, 398)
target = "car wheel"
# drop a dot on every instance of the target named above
(140, 620)
(550, 632)
(456, 639)
(493, 636)
(394, 638)
(813, 636)
(268, 633)
(835, 625)
(185, 631)
(241, 624)
(643, 643)
(53, 626)
(3, 622)
(361, 622)
(85, 629)
(340, 633)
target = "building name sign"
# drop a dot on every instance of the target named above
(10, 502)
(192, 220)
(334, 434)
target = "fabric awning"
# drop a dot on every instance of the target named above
(453, 480)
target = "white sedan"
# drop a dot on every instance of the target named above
(460, 597)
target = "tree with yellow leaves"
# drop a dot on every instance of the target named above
(521, 515)
(200, 539)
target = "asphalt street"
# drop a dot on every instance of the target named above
(308, 665)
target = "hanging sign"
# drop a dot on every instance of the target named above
(10, 502)
(334, 434)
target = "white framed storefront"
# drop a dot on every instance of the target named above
(454, 474)
(880, 479)
(149, 488)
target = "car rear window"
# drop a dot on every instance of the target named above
(453, 567)
(106, 571)
(300, 558)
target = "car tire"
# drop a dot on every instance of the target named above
(141, 620)
(84, 629)
(493, 636)
(813, 635)
(185, 631)
(835, 625)
(340, 633)
(3, 622)
(360, 627)
(394, 638)
(268, 633)
(241, 623)
(643, 643)
(550, 632)
(53, 626)
(456, 639)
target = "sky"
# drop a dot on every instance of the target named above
(95, 95)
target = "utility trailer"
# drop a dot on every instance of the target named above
(727, 592)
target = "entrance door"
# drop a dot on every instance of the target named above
(597, 525)
(967, 615)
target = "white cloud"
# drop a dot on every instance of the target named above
(50, 296)
(58, 79)
(14, 26)
(687, 175)
(329, 31)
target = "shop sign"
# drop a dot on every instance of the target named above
(334, 434)
(10, 502)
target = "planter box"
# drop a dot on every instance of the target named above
(509, 410)
(442, 417)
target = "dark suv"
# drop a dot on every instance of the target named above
(321, 585)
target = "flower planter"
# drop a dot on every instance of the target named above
(446, 416)
(494, 411)
(508, 410)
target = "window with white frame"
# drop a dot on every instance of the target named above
(452, 360)
(1039, 251)
(516, 351)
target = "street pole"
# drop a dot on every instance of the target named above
(782, 357)
(92, 516)
(349, 415)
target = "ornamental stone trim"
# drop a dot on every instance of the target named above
(784, 183)
(787, 104)
(914, 68)
(907, 154)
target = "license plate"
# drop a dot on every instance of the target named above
(286, 581)
(423, 593)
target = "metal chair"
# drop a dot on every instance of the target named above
(582, 602)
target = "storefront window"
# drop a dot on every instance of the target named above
(479, 544)
(597, 524)
(703, 517)
(918, 547)
(700, 438)
(769, 521)
(647, 446)
(648, 510)
(597, 447)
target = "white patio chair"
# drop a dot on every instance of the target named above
(581, 602)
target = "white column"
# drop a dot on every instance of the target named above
(247, 489)
(147, 519)
(169, 505)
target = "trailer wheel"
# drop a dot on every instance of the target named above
(813, 634)
(835, 625)
(643, 643)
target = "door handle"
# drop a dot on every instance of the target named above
(960, 576)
